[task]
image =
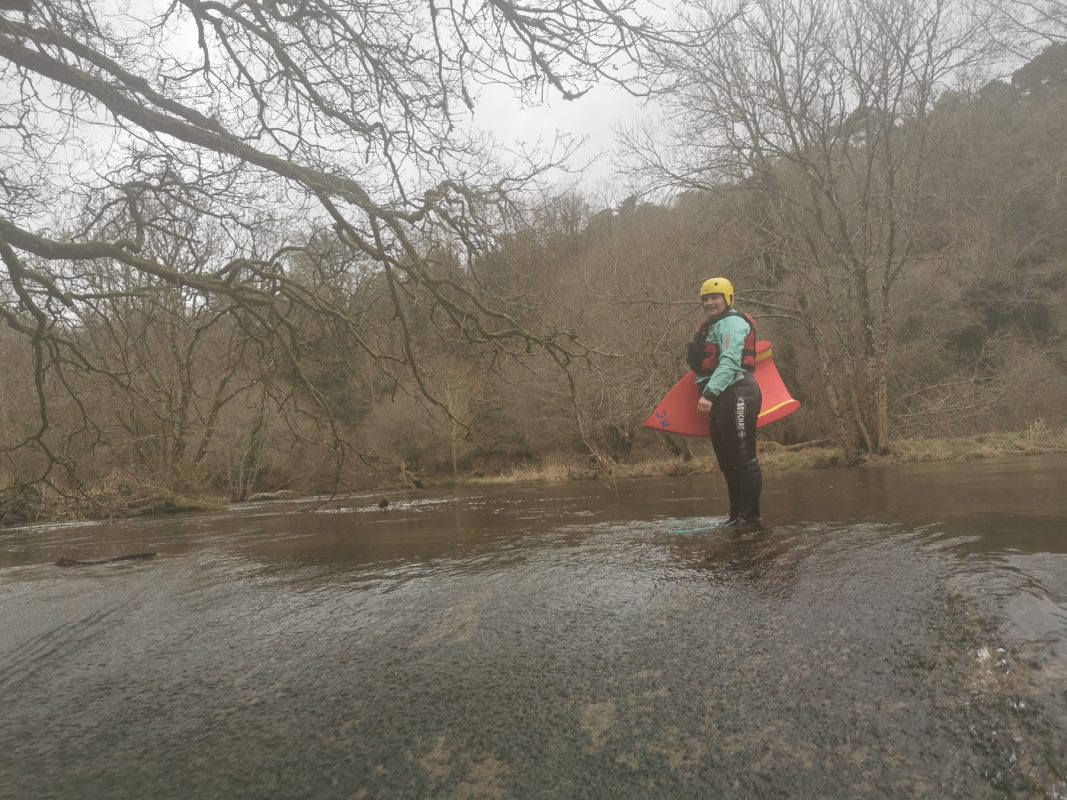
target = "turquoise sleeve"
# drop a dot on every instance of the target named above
(729, 334)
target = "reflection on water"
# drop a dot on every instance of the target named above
(891, 632)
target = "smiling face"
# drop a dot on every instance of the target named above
(714, 304)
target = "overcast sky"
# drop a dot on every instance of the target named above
(593, 117)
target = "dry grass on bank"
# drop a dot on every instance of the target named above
(1039, 437)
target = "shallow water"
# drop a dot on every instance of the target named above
(891, 632)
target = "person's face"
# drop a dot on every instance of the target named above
(713, 303)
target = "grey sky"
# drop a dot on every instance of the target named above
(593, 117)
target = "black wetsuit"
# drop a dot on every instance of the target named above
(733, 436)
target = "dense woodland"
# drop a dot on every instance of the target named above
(293, 268)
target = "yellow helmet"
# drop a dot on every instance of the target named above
(718, 286)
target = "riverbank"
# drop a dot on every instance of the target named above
(1038, 438)
(111, 499)
(119, 499)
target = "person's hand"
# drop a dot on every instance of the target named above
(704, 406)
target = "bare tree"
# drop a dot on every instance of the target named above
(1030, 23)
(812, 122)
(261, 115)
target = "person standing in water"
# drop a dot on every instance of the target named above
(723, 355)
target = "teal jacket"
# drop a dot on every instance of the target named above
(729, 334)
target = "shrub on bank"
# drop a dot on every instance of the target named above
(114, 497)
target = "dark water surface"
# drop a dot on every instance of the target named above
(892, 632)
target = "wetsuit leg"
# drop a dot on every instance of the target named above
(733, 436)
(720, 443)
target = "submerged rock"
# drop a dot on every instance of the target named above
(70, 562)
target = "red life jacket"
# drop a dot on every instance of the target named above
(711, 351)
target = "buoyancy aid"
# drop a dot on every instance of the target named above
(704, 355)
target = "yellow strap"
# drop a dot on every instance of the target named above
(766, 411)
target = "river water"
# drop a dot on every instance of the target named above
(891, 632)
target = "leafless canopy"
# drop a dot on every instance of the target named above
(157, 145)
(814, 118)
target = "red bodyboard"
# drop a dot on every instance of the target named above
(677, 412)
